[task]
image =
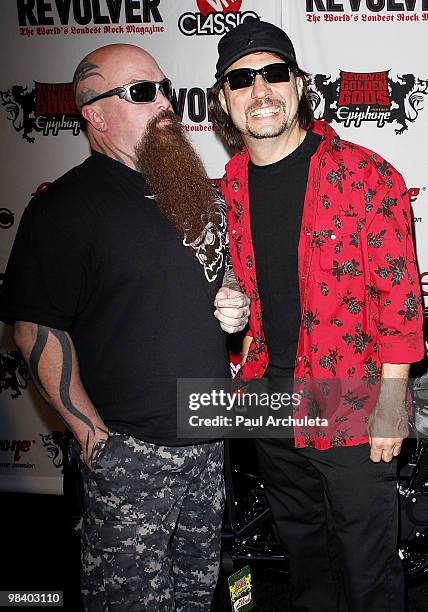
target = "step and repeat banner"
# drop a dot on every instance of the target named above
(368, 78)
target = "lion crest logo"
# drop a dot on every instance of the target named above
(372, 96)
(408, 94)
(20, 105)
(55, 444)
(46, 108)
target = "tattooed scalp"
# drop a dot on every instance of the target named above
(83, 71)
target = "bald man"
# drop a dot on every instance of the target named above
(111, 285)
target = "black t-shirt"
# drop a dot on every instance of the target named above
(277, 193)
(94, 256)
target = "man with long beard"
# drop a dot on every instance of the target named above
(111, 285)
(321, 240)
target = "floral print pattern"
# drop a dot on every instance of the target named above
(358, 282)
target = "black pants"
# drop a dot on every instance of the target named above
(336, 513)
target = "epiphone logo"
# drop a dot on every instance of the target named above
(334, 6)
(40, 12)
(356, 97)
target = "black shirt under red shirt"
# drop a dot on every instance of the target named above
(277, 193)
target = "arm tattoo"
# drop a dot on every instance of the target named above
(64, 389)
(35, 355)
(230, 281)
(65, 382)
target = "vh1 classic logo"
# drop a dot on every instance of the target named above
(215, 18)
(48, 108)
(368, 96)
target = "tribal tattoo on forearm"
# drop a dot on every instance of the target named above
(66, 371)
(33, 361)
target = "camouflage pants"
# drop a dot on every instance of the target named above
(151, 527)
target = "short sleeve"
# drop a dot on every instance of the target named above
(45, 277)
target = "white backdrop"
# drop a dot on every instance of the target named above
(42, 41)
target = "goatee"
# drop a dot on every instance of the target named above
(176, 176)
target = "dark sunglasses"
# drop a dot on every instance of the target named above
(140, 92)
(245, 77)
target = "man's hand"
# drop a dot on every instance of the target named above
(388, 424)
(92, 448)
(232, 309)
(381, 425)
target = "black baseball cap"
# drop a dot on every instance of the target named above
(250, 36)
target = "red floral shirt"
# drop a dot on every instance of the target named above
(358, 281)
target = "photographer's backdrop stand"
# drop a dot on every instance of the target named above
(369, 78)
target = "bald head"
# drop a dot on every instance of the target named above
(115, 124)
(111, 66)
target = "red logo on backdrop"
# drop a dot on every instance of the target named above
(218, 6)
(41, 188)
(55, 98)
(413, 193)
(16, 446)
(364, 88)
(48, 108)
(357, 97)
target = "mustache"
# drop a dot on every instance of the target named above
(266, 101)
(164, 115)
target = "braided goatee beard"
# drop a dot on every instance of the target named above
(176, 176)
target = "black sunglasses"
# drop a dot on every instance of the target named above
(140, 92)
(245, 77)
